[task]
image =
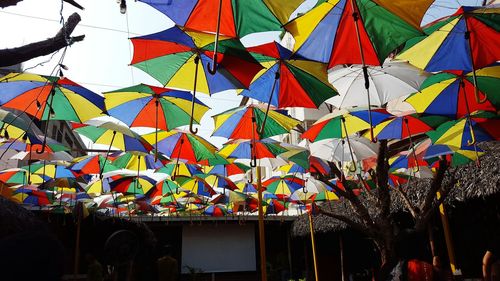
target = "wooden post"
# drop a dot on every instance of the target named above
(313, 244)
(77, 244)
(262, 238)
(341, 245)
(447, 237)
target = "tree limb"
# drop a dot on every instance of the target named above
(60, 40)
(7, 3)
(407, 202)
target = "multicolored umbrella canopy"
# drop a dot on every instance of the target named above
(283, 185)
(48, 97)
(137, 162)
(253, 150)
(92, 164)
(123, 139)
(195, 185)
(466, 40)
(20, 176)
(181, 145)
(50, 170)
(133, 184)
(217, 210)
(181, 169)
(218, 181)
(246, 187)
(34, 143)
(342, 123)
(465, 132)
(172, 55)
(287, 81)
(148, 106)
(453, 93)
(163, 190)
(392, 80)
(406, 126)
(229, 169)
(352, 32)
(14, 126)
(245, 122)
(237, 19)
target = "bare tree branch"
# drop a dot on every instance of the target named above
(414, 212)
(7, 3)
(60, 40)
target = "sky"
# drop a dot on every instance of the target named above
(101, 61)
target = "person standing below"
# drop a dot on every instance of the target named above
(94, 269)
(167, 265)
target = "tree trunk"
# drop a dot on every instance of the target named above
(388, 258)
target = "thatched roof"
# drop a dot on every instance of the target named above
(473, 182)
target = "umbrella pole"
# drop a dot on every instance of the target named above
(44, 143)
(355, 16)
(349, 145)
(156, 130)
(177, 160)
(447, 236)
(29, 165)
(196, 62)
(411, 144)
(213, 69)
(313, 244)
(474, 78)
(262, 238)
(276, 78)
(472, 134)
(107, 155)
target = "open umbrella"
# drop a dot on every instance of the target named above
(173, 55)
(265, 151)
(234, 18)
(47, 97)
(287, 81)
(342, 25)
(148, 106)
(92, 164)
(452, 93)
(247, 122)
(139, 162)
(392, 80)
(283, 185)
(466, 41)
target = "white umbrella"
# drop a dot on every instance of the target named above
(388, 82)
(338, 149)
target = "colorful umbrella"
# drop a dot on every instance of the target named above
(342, 25)
(92, 164)
(283, 185)
(406, 126)
(338, 150)
(48, 97)
(218, 181)
(195, 185)
(288, 81)
(133, 184)
(247, 122)
(181, 169)
(181, 145)
(119, 136)
(262, 149)
(246, 187)
(218, 210)
(148, 106)
(172, 55)
(479, 127)
(467, 40)
(20, 176)
(342, 123)
(139, 162)
(452, 93)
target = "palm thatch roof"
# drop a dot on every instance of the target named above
(472, 182)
